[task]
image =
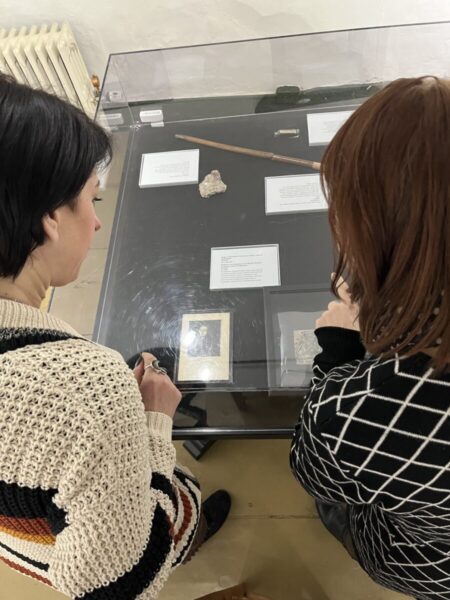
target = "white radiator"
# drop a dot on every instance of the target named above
(49, 59)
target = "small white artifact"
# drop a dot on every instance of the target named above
(212, 184)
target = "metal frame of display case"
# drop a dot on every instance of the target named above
(284, 98)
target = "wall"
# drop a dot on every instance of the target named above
(107, 26)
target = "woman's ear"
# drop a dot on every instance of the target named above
(51, 228)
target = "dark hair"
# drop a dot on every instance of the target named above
(387, 178)
(48, 150)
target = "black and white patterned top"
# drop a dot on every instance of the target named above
(375, 435)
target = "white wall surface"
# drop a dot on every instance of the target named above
(105, 26)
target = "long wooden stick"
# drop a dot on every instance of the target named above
(292, 160)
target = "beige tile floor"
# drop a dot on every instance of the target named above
(272, 540)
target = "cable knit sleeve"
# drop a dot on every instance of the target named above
(91, 500)
(181, 488)
(128, 518)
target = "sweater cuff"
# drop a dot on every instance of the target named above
(339, 346)
(159, 425)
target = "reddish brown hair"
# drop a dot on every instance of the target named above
(386, 175)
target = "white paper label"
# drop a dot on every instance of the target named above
(239, 267)
(169, 168)
(323, 126)
(294, 193)
(114, 118)
(151, 116)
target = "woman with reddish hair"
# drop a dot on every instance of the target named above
(373, 441)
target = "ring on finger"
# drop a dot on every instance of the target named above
(155, 366)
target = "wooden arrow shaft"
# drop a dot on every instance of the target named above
(292, 160)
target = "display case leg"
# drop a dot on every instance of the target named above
(197, 448)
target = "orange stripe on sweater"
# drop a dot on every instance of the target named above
(31, 526)
(24, 571)
(47, 540)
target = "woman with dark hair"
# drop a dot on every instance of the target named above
(373, 441)
(91, 501)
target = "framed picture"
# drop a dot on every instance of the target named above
(205, 347)
(291, 313)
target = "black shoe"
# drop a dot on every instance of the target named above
(216, 509)
(334, 517)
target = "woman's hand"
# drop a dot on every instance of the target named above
(158, 392)
(341, 314)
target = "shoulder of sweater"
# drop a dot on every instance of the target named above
(370, 371)
(83, 377)
(374, 379)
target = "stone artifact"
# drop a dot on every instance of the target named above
(212, 184)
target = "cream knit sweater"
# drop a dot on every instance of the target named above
(91, 501)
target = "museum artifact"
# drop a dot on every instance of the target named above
(212, 184)
(293, 160)
(205, 347)
(295, 133)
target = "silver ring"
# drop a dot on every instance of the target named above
(155, 366)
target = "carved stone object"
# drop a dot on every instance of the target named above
(212, 184)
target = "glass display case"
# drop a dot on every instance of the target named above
(219, 254)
